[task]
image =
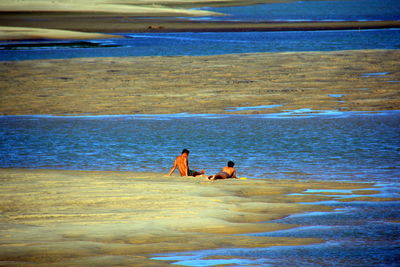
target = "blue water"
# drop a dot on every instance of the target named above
(302, 144)
(209, 43)
(339, 10)
(331, 146)
(355, 234)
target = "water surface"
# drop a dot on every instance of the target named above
(203, 44)
(301, 144)
(355, 234)
(339, 10)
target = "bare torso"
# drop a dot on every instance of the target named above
(183, 164)
(230, 171)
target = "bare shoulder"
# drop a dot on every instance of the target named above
(229, 169)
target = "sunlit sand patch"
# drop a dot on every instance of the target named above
(369, 199)
(96, 7)
(350, 195)
(80, 217)
(365, 192)
(17, 33)
(154, 89)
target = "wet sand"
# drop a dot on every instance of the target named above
(85, 218)
(89, 25)
(362, 80)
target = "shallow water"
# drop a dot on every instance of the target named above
(342, 10)
(355, 234)
(301, 144)
(200, 44)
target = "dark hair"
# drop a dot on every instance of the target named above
(185, 151)
(231, 163)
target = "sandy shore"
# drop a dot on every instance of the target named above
(208, 84)
(22, 33)
(128, 24)
(86, 18)
(90, 218)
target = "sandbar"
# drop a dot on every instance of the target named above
(115, 16)
(203, 84)
(110, 218)
(23, 33)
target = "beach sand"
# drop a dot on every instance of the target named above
(100, 218)
(89, 25)
(362, 80)
(44, 19)
(22, 33)
(93, 218)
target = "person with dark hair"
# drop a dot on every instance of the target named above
(182, 163)
(227, 172)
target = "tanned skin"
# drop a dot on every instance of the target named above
(227, 172)
(182, 163)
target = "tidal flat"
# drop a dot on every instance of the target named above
(203, 84)
(104, 218)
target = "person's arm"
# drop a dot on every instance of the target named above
(234, 174)
(173, 168)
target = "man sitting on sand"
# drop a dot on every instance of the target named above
(227, 172)
(182, 163)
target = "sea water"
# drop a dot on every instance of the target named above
(301, 144)
(337, 10)
(304, 144)
(202, 44)
(358, 233)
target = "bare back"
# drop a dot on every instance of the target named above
(183, 164)
(230, 170)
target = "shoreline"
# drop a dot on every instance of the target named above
(16, 28)
(301, 113)
(82, 217)
(88, 19)
(352, 80)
